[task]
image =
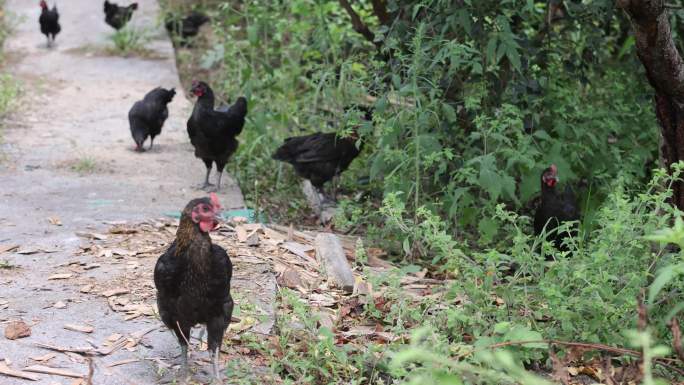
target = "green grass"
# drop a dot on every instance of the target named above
(130, 41)
(4, 264)
(84, 166)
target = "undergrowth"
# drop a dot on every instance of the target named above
(471, 103)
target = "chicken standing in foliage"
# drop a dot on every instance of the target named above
(49, 22)
(555, 209)
(186, 27)
(147, 116)
(320, 157)
(117, 16)
(212, 132)
(193, 280)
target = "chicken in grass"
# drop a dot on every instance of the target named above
(116, 16)
(555, 209)
(186, 27)
(193, 280)
(213, 131)
(320, 157)
(49, 22)
(147, 116)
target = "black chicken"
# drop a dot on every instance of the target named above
(320, 157)
(212, 132)
(555, 209)
(193, 280)
(117, 16)
(187, 27)
(49, 22)
(147, 116)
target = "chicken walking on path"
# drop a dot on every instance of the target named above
(68, 165)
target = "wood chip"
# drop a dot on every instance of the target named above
(115, 292)
(54, 221)
(52, 371)
(60, 276)
(114, 337)
(4, 369)
(298, 249)
(79, 328)
(44, 358)
(86, 289)
(59, 305)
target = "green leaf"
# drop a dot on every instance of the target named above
(664, 277)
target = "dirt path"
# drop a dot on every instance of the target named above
(67, 154)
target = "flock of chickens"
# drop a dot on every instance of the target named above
(193, 276)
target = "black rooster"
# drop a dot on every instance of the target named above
(555, 209)
(117, 16)
(193, 280)
(49, 22)
(212, 132)
(187, 27)
(321, 157)
(147, 116)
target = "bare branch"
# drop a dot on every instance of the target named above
(358, 24)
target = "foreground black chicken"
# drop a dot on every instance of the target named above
(212, 132)
(186, 27)
(147, 116)
(320, 157)
(117, 16)
(555, 209)
(49, 22)
(193, 280)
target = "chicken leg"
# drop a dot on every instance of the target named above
(215, 364)
(151, 143)
(218, 182)
(207, 185)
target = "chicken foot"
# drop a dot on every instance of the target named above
(215, 363)
(206, 184)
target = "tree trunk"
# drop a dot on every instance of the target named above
(665, 71)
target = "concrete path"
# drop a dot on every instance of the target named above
(67, 153)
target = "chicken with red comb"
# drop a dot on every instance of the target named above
(555, 208)
(193, 280)
(49, 22)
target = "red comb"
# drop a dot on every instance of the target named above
(553, 168)
(214, 200)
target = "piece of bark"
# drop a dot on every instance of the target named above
(331, 256)
(53, 371)
(298, 249)
(7, 371)
(17, 329)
